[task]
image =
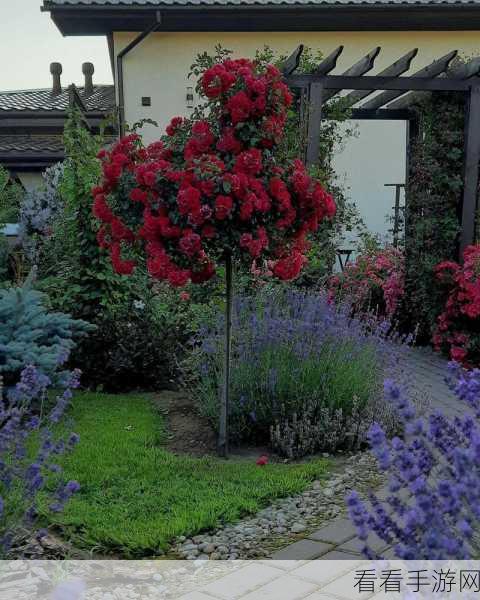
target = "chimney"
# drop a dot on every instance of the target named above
(88, 70)
(56, 71)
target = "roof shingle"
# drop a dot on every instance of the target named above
(102, 100)
(133, 3)
(51, 144)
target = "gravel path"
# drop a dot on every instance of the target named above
(287, 520)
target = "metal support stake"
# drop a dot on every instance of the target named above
(225, 392)
(396, 214)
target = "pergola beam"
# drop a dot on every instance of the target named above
(465, 70)
(406, 101)
(292, 62)
(373, 82)
(429, 72)
(458, 71)
(329, 62)
(364, 65)
(399, 93)
(402, 65)
(382, 114)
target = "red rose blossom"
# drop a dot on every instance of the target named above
(213, 183)
(223, 207)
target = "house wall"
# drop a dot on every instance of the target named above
(30, 180)
(159, 66)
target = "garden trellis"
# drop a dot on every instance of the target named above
(397, 97)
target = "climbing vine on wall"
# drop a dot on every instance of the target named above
(434, 200)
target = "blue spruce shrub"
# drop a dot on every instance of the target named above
(30, 335)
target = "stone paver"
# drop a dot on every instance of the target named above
(283, 588)
(336, 532)
(303, 550)
(196, 596)
(342, 587)
(317, 573)
(285, 565)
(243, 581)
(427, 371)
(337, 554)
(356, 545)
(320, 596)
(313, 580)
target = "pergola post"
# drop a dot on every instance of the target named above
(314, 122)
(412, 133)
(470, 176)
(399, 95)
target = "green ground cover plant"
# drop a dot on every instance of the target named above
(136, 496)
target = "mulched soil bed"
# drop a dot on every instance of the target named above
(188, 432)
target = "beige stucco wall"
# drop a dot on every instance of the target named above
(30, 180)
(158, 68)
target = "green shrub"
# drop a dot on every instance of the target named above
(10, 196)
(4, 257)
(130, 349)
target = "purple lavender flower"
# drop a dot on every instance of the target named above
(18, 421)
(434, 479)
(292, 355)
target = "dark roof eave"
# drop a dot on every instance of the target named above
(50, 114)
(102, 19)
(152, 9)
(27, 156)
(29, 162)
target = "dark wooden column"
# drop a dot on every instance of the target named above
(412, 133)
(314, 122)
(470, 176)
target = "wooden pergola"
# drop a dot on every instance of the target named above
(398, 96)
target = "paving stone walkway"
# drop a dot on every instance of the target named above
(285, 580)
(428, 371)
(337, 539)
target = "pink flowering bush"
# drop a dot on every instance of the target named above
(375, 281)
(457, 332)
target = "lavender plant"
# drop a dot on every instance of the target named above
(306, 375)
(432, 509)
(25, 474)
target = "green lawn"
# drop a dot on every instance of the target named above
(135, 496)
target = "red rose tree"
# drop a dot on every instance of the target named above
(458, 327)
(211, 191)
